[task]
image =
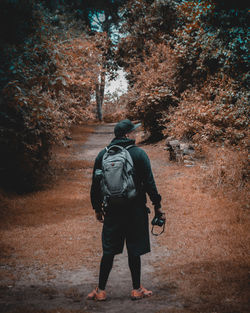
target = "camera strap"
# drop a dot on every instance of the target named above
(157, 234)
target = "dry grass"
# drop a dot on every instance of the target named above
(227, 170)
(39, 228)
(207, 234)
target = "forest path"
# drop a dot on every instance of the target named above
(39, 284)
(50, 242)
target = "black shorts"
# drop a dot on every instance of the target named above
(128, 225)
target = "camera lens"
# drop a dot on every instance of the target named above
(160, 222)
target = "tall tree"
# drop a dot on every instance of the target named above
(103, 16)
(100, 16)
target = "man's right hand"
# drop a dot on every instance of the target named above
(159, 212)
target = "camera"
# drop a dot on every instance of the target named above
(158, 221)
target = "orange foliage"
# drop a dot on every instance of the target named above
(192, 12)
(154, 90)
(216, 112)
(51, 86)
(190, 63)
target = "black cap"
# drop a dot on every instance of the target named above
(124, 127)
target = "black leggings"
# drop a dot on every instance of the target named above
(106, 266)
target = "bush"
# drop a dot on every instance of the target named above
(188, 63)
(212, 39)
(217, 112)
(154, 90)
(49, 78)
(227, 171)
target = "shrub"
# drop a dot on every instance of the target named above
(227, 171)
(154, 90)
(217, 112)
(49, 78)
(205, 45)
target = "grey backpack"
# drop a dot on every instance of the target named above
(117, 181)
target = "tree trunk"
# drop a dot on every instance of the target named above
(100, 95)
(98, 103)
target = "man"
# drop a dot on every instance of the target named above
(125, 222)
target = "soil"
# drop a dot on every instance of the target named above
(50, 245)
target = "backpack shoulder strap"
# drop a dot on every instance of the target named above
(114, 146)
(130, 146)
(129, 158)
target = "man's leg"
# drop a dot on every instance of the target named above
(138, 291)
(135, 269)
(105, 268)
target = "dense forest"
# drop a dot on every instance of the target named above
(186, 63)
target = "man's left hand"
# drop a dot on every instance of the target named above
(99, 216)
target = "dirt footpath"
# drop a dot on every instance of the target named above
(51, 247)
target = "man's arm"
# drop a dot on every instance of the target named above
(145, 171)
(95, 191)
